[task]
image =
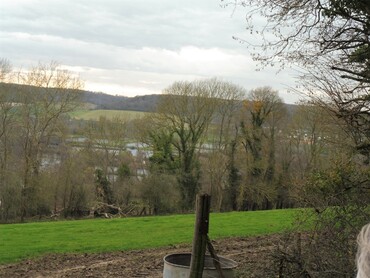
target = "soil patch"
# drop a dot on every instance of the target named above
(251, 254)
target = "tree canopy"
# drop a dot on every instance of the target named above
(328, 41)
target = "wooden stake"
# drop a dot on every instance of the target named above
(203, 204)
(216, 259)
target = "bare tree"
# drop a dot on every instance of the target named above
(348, 100)
(48, 94)
(228, 106)
(217, 159)
(329, 42)
(5, 70)
(106, 142)
(6, 117)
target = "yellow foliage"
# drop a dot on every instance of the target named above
(245, 104)
(257, 105)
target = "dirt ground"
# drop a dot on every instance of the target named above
(251, 254)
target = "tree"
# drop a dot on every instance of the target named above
(329, 41)
(103, 189)
(106, 142)
(228, 105)
(217, 163)
(159, 192)
(7, 126)
(306, 32)
(234, 177)
(309, 133)
(349, 101)
(5, 70)
(187, 109)
(48, 95)
(163, 159)
(74, 184)
(339, 198)
(9, 180)
(159, 189)
(259, 127)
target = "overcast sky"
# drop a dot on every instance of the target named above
(135, 47)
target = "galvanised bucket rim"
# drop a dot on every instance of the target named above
(230, 264)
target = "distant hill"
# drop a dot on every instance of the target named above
(146, 103)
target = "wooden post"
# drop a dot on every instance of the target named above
(216, 259)
(203, 204)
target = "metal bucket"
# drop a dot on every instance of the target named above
(178, 266)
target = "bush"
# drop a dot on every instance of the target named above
(339, 198)
(161, 193)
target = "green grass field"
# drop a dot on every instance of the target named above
(109, 114)
(20, 241)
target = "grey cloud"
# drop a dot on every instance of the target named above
(162, 23)
(114, 36)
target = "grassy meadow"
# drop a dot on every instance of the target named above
(94, 115)
(21, 241)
